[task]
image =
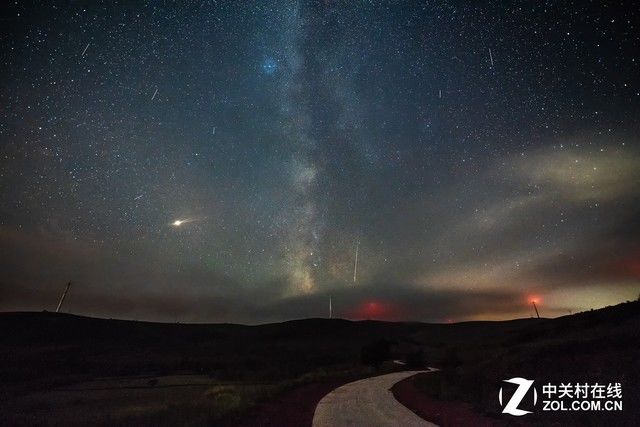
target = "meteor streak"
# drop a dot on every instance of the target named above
(179, 222)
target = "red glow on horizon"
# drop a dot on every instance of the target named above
(628, 266)
(374, 310)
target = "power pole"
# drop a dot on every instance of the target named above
(330, 308)
(64, 294)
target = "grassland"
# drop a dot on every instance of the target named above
(58, 369)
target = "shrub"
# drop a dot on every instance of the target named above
(416, 359)
(376, 352)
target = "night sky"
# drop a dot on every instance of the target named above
(225, 161)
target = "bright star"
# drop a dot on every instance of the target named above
(269, 66)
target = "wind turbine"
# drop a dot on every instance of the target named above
(64, 294)
(355, 264)
(533, 302)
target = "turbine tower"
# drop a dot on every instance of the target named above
(535, 308)
(64, 294)
(355, 264)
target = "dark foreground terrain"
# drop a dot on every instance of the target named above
(595, 347)
(58, 369)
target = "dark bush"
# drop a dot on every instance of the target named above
(416, 359)
(376, 352)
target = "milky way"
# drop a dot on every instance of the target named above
(227, 161)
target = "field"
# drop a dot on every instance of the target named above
(59, 369)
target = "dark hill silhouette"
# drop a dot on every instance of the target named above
(49, 351)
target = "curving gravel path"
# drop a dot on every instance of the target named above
(368, 402)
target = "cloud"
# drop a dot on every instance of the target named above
(554, 222)
(39, 263)
(578, 175)
(104, 286)
(396, 301)
(567, 233)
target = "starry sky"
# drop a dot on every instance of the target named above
(230, 160)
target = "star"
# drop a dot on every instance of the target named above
(269, 66)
